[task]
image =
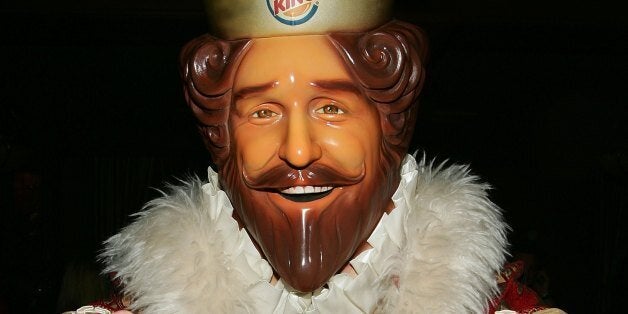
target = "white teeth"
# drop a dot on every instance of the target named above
(306, 189)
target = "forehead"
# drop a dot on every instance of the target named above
(309, 57)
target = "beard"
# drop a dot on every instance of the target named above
(307, 242)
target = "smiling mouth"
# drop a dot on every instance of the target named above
(305, 193)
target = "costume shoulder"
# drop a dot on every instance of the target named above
(172, 259)
(455, 242)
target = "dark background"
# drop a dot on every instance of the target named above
(532, 94)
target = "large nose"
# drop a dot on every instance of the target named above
(300, 147)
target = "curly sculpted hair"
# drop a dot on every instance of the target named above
(388, 64)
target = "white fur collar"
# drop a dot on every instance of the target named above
(442, 243)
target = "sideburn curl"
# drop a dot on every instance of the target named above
(208, 66)
(388, 64)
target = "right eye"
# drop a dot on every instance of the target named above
(330, 109)
(263, 114)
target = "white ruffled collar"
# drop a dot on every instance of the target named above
(437, 252)
(343, 293)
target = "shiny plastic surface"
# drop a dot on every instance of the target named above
(308, 132)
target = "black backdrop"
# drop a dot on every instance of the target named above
(532, 95)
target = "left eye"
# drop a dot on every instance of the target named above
(263, 114)
(329, 109)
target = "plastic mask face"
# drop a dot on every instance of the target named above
(304, 173)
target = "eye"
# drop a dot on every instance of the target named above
(263, 114)
(329, 109)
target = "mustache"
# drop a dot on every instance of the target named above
(283, 176)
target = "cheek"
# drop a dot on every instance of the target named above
(255, 148)
(350, 148)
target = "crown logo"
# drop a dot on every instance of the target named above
(292, 12)
(235, 19)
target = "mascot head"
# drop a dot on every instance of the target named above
(307, 108)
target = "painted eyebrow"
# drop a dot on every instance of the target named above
(337, 85)
(247, 91)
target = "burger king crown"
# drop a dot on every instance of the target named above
(234, 19)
